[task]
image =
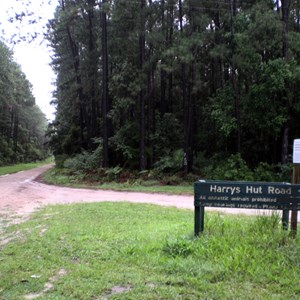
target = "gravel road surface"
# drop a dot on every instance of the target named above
(21, 194)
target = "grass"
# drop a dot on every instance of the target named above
(63, 178)
(129, 251)
(22, 167)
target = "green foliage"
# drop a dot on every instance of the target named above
(284, 172)
(113, 173)
(264, 172)
(85, 161)
(60, 160)
(273, 173)
(6, 153)
(22, 123)
(235, 168)
(167, 136)
(232, 168)
(123, 181)
(172, 162)
(178, 247)
(221, 111)
(210, 80)
(125, 142)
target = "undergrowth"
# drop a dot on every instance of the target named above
(85, 169)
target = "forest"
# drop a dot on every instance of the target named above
(175, 85)
(22, 123)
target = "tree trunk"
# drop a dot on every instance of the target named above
(163, 73)
(15, 136)
(76, 65)
(236, 100)
(105, 95)
(184, 100)
(150, 87)
(285, 6)
(188, 99)
(142, 92)
(92, 75)
(188, 124)
(169, 44)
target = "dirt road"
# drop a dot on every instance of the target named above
(20, 195)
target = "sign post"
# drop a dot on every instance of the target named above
(295, 180)
(248, 195)
(199, 219)
(285, 219)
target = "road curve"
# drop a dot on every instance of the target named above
(20, 195)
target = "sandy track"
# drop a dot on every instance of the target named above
(20, 195)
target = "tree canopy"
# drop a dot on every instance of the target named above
(141, 82)
(22, 123)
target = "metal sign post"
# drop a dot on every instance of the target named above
(295, 180)
(294, 214)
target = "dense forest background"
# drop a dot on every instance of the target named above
(22, 123)
(175, 84)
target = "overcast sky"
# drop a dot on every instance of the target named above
(33, 57)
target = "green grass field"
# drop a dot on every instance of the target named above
(135, 251)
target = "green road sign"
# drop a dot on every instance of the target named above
(255, 195)
(250, 195)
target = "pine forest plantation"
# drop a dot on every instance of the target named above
(22, 123)
(173, 85)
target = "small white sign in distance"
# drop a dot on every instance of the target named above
(296, 152)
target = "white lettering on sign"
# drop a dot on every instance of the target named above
(244, 199)
(264, 199)
(225, 189)
(218, 198)
(253, 190)
(279, 191)
(249, 189)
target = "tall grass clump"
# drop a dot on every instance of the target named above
(255, 252)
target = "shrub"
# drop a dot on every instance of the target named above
(275, 173)
(284, 172)
(172, 162)
(60, 160)
(113, 173)
(235, 168)
(85, 161)
(264, 172)
(171, 180)
(232, 168)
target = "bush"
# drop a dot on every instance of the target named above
(275, 173)
(235, 168)
(60, 160)
(113, 173)
(85, 161)
(172, 162)
(232, 168)
(264, 172)
(171, 180)
(284, 172)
